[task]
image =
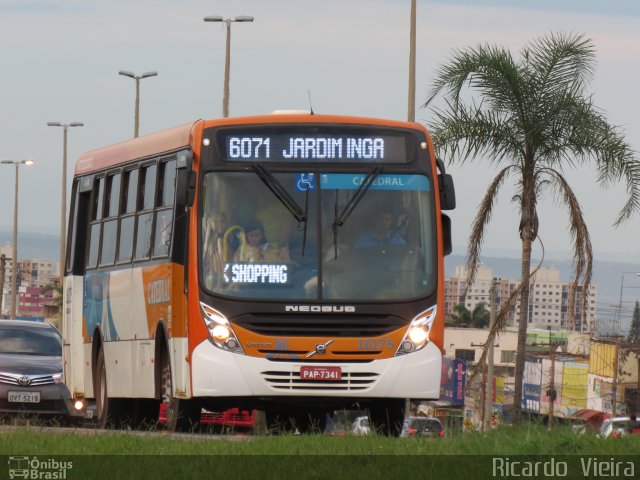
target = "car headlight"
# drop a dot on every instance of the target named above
(417, 336)
(58, 377)
(220, 332)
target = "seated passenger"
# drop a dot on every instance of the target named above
(256, 249)
(381, 232)
(255, 245)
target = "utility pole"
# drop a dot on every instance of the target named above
(614, 386)
(411, 108)
(551, 393)
(492, 321)
(3, 262)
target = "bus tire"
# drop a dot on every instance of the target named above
(182, 415)
(111, 411)
(387, 416)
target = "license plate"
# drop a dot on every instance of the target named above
(321, 374)
(24, 397)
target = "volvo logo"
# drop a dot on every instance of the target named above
(321, 349)
(24, 381)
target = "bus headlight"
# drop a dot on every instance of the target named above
(417, 336)
(220, 332)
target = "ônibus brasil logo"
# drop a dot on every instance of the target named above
(36, 469)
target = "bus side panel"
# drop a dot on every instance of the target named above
(107, 307)
(143, 351)
(162, 302)
(73, 337)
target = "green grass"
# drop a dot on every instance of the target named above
(464, 456)
(524, 440)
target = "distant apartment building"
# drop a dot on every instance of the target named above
(32, 275)
(38, 273)
(548, 298)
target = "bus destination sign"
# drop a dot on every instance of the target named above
(372, 146)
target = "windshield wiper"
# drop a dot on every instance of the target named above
(279, 191)
(338, 220)
(287, 200)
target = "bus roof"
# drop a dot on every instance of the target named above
(148, 145)
(182, 136)
(310, 118)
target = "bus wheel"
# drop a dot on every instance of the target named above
(181, 415)
(387, 416)
(111, 411)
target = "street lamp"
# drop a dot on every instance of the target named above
(14, 246)
(136, 119)
(411, 109)
(227, 61)
(63, 201)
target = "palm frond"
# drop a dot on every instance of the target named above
(488, 69)
(471, 131)
(560, 61)
(482, 219)
(582, 250)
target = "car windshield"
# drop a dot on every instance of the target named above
(30, 341)
(317, 236)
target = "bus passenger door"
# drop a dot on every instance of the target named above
(76, 342)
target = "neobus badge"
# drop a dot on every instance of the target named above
(159, 291)
(320, 308)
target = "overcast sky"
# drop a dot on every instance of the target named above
(60, 62)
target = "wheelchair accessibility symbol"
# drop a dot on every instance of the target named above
(305, 182)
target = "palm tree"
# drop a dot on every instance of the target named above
(634, 332)
(532, 118)
(463, 317)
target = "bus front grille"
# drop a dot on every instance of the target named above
(319, 325)
(351, 381)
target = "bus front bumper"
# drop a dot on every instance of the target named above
(216, 373)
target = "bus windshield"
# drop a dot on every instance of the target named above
(316, 241)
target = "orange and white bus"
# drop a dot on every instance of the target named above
(291, 263)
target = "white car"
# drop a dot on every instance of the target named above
(614, 427)
(361, 426)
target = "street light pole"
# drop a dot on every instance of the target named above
(136, 117)
(227, 60)
(411, 111)
(63, 199)
(14, 246)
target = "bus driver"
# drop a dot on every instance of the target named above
(381, 232)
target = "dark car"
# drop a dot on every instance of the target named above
(31, 378)
(422, 427)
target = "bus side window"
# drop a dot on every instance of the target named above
(127, 216)
(144, 219)
(97, 209)
(110, 225)
(164, 216)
